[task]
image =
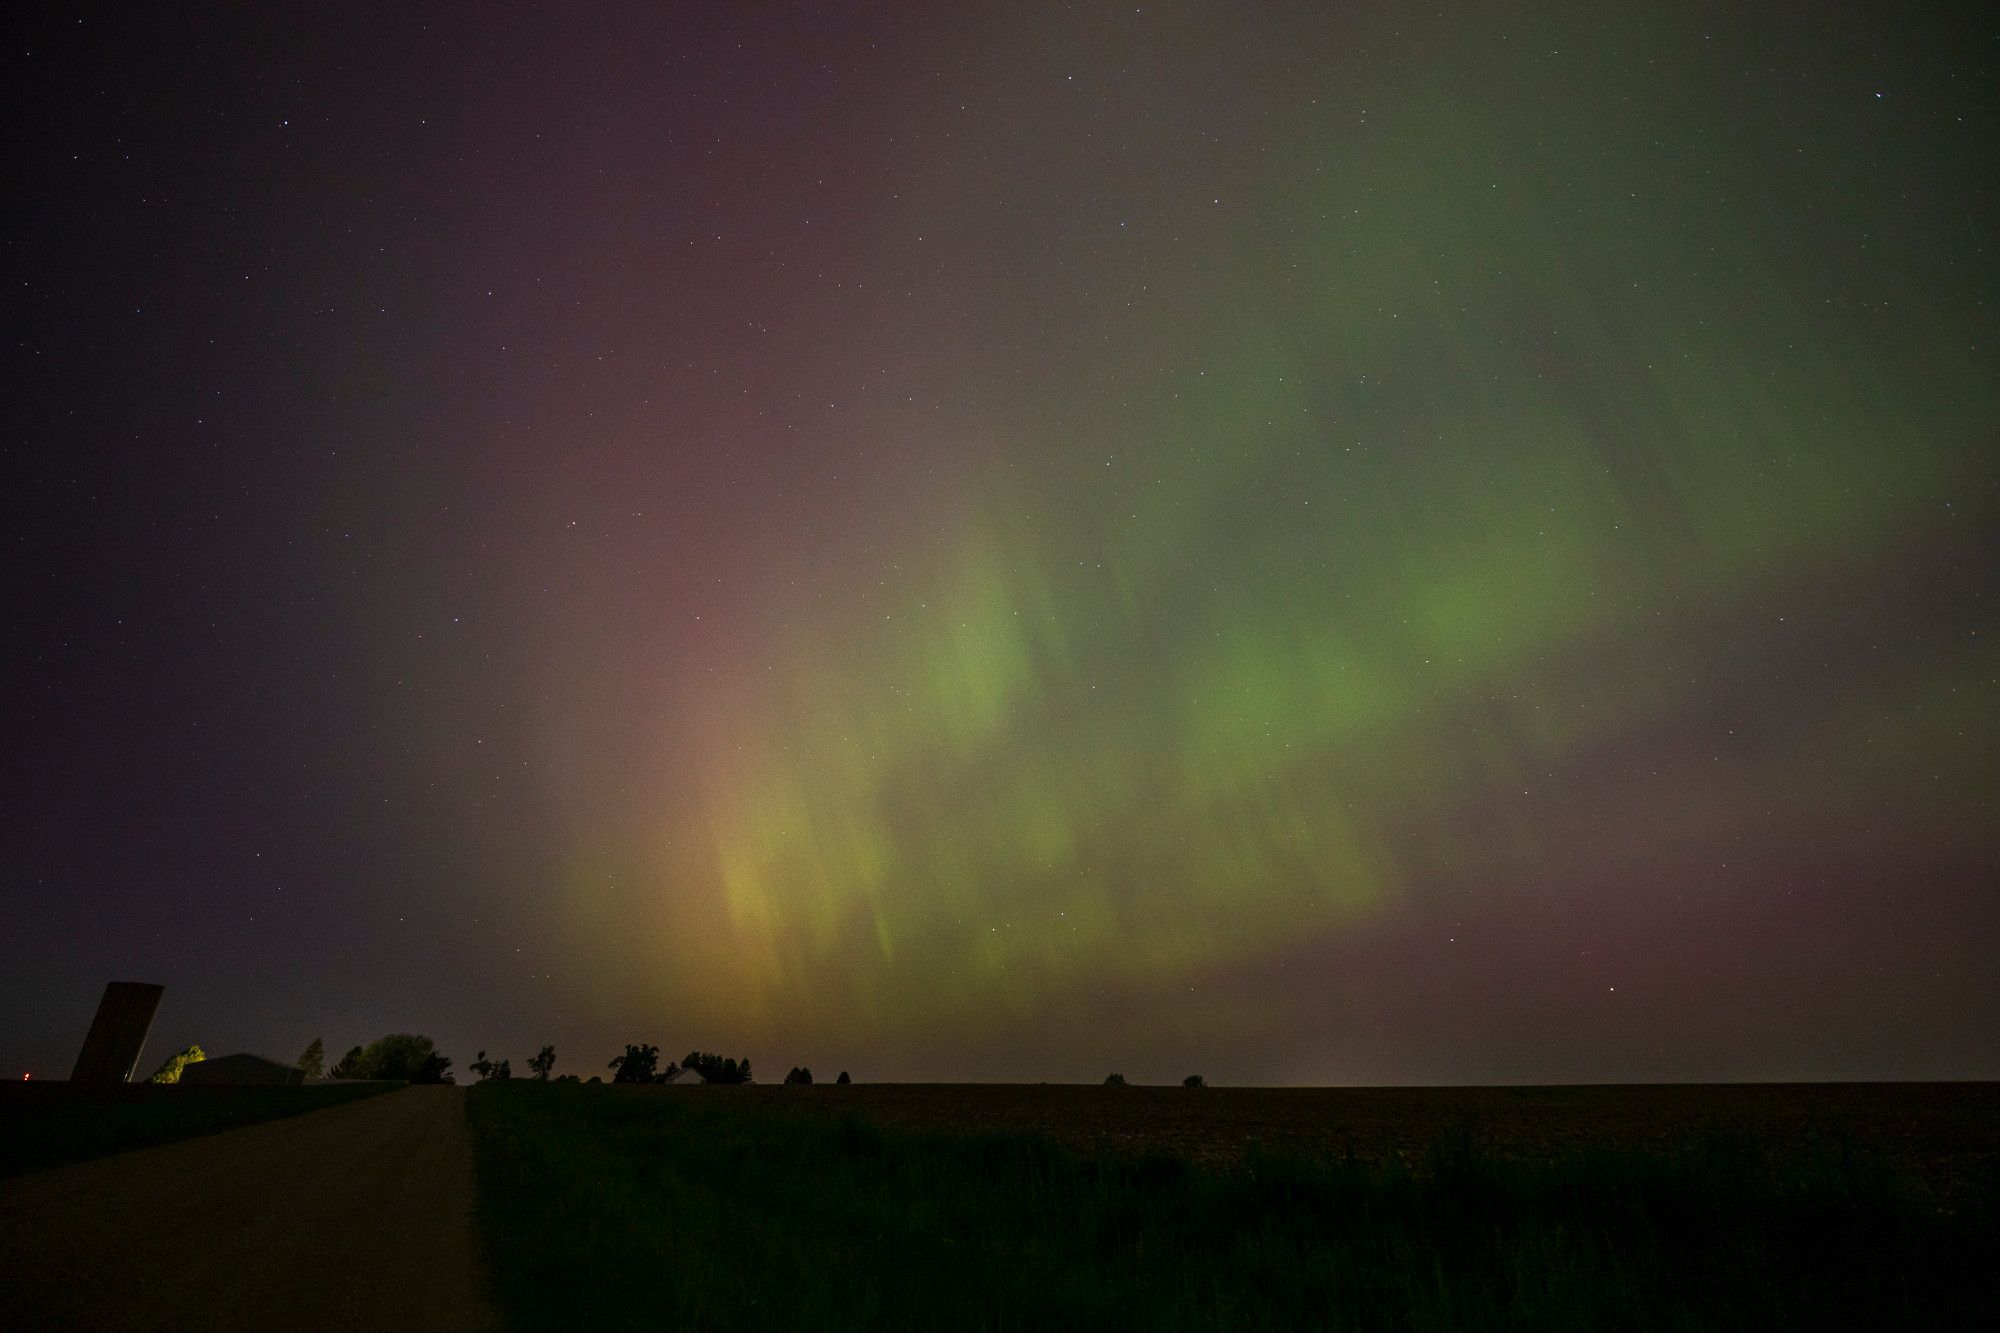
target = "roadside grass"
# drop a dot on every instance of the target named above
(660, 1208)
(44, 1125)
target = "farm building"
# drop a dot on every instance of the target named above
(240, 1068)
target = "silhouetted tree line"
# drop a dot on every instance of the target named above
(717, 1069)
(641, 1064)
(638, 1064)
(539, 1067)
(400, 1055)
(486, 1068)
(414, 1058)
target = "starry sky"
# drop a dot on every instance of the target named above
(1314, 543)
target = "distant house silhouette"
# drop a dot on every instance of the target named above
(241, 1068)
(684, 1077)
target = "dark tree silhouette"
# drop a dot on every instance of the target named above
(349, 1066)
(636, 1065)
(408, 1056)
(1114, 1080)
(1194, 1081)
(716, 1068)
(843, 1077)
(312, 1060)
(544, 1061)
(504, 1069)
(799, 1075)
(481, 1066)
(434, 1068)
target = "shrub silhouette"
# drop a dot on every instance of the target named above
(1194, 1081)
(800, 1075)
(170, 1072)
(843, 1077)
(1114, 1080)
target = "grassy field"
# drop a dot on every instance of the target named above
(790, 1208)
(53, 1124)
(1949, 1133)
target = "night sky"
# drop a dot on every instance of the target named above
(1318, 544)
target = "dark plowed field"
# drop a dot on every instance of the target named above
(1947, 1131)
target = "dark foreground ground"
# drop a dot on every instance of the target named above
(355, 1216)
(44, 1125)
(1029, 1207)
(1949, 1133)
(1067, 1207)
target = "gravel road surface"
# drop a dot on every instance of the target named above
(358, 1216)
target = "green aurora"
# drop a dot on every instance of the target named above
(1305, 542)
(1460, 502)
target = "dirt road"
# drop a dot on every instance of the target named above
(354, 1217)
